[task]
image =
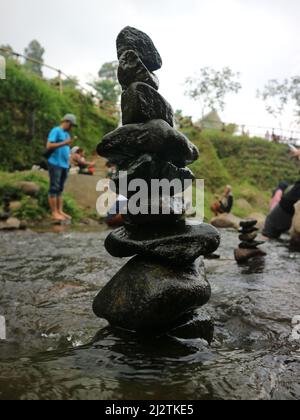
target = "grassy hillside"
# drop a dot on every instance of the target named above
(253, 167)
(30, 107)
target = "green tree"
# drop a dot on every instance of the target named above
(107, 86)
(35, 52)
(211, 87)
(279, 95)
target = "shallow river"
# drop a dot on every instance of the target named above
(57, 349)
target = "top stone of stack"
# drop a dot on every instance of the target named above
(135, 40)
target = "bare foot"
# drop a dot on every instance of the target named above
(65, 215)
(56, 217)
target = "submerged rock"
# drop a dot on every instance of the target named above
(145, 295)
(133, 39)
(141, 103)
(195, 325)
(155, 137)
(131, 70)
(179, 244)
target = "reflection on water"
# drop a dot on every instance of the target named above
(57, 349)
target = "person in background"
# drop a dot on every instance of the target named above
(278, 194)
(225, 204)
(112, 169)
(280, 219)
(78, 160)
(59, 151)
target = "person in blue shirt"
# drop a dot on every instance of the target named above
(59, 151)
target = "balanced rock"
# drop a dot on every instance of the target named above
(147, 168)
(244, 255)
(161, 210)
(141, 103)
(248, 237)
(179, 244)
(251, 245)
(145, 295)
(136, 40)
(131, 70)
(155, 137)
(248, 224)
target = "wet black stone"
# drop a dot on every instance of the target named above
(251, 245)
(141, 103)
(132, 70)
(146, 295)
(248, 237)
(244, 255)
(170, 211)
(180, 244)
(248, 224)
(148, 168)
(155, 137)
(195, 325)
(245, 231)
(133, 39)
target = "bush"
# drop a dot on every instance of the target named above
(30, 107)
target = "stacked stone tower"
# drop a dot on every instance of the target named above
(165, 281)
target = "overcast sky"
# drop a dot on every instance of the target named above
(259, 38)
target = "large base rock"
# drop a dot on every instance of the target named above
(141, 103)
(155, 138)
(178, 244)
(145, 295)
(133, 39)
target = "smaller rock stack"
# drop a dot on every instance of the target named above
(249, 246)
(164, 283)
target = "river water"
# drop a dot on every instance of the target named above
(57, 349)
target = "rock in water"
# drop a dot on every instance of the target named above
(131, 70)
(145, 295)
(133, 39)
(195, 325)
(251, 245)
(141, 103)
(155, 138)
(244, 255)
(179, 244)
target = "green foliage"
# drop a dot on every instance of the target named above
(211, 87)
(35, 51)
(33, 208)
(256, 161)
(252, 166)
(107, 86)
(30, 108)
(208, 166)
